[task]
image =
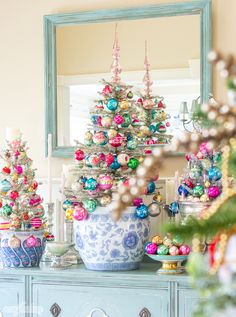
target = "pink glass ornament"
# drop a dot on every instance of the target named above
(15, 144)
(13, 195)
(19, 169)
(17, 153)
(184, 249)
(36, 223)
(151, 141)
(154, 178)
(31, 242)
(148, 152)
(137, 201)
(35, 200)
(140, 101)
(126, 182)
(79, 155)
(93, 192)
(107, 90)
(99, 121)
(160, 105)
(116, 141)
(148, 104)
(102, 157)
(109, 159)
(200, 155)
(25, 180)
(204, 148)
(118, 119)
(99, 138)
(105, 182)
(187, 156)
(168, 124)
(173, 250)
(213, 191)
(94, 160)
(80, 213)
(151, 248)
(11, 204)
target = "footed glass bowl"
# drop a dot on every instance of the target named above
(170, 264)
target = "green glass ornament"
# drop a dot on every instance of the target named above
(90, 204)
(198, 191)
(131, 144)
(6, 210)
(162, 250)
(195, 173)
(130, 95)
(177, 240)
(127, 120)
(133, 163)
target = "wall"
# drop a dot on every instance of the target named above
(22, 64)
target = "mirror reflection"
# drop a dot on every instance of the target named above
(84, 57)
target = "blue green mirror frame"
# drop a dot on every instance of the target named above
(201, 7)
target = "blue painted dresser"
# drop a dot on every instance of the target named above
(77, 292)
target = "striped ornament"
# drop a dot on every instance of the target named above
(36, 223)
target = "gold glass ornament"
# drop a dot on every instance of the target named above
(105, 200)
(111, 133)
(69, 213)
(124, 105)
(158, 198)
(14, 242)
(157, 240)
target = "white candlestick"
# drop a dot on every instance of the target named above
(170, 191)
(12, 134)
(59, 232)
(176, 185)
(49, 168)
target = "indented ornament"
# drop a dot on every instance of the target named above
(14, 242)
(31, 241)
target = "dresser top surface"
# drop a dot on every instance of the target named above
(146, 272)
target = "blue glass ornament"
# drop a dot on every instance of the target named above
(151, 187)
(174, 208)
(87, 162)
(214, 173)
(91, 184)
(115, 165)
(94, 119)
(142, 211)
(129, 137)
(153, 128)
(83, 179)
(112, 104)
(183, 191)
(5, 186)
(66, 204)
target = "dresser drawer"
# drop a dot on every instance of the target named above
(80, 301)
(187, 300)
(12, 298)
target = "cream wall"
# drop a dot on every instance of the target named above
(22, 64)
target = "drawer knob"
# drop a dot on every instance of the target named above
(145, 313)
(55, 310)
(97, 310)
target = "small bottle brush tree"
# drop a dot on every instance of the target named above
(20, 204)
(202, 179)
(115, 145)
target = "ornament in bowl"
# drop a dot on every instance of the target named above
(22, 218)
(170, 251)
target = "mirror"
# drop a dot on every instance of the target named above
(79, 54)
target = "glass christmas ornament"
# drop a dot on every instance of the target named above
(195, 173)
(115, 165)
(13, 195)
(105, 182)
(154, 209)
(31, 242)
(69, 213)
(151, 187)
(118, 119)
(14, 242)
(91, 184)
(183, 191)
(173, 250)
(105, 200)
(88, 138)
(100, 138)
(6, 210)
(112, 104)
(151, 248)
(130, 95)
(116, 141)
(162, 250)
(94, 160)
(214, 173)
(198, 191)
(123, 159)
(109, 159)
(131, 144)
(90, 204)
(133, 163)
(152, 128)
(36, 223)
(107, 90)
(106, 121)
(184, 249)
(124, 105)
(157, 240)
(148, 103)
(142, 211)
(6, 170)
(137, 201)
(111, 133)
(167, 242)
(19, 169)
(213, 191)
(127, 120)
(144, 130)
(80, 213)
(177, 240)
(161, 128)
(174, 208)
(5, 186)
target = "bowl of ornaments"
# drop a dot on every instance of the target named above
(170, 251)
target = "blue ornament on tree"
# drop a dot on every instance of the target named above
(142, 211)
(153, 128)
(115, 165)
(91, 184)
(214, 173)
(151, 187)
(183, 191)
(66, 204)
(174, 208)
(5, 186)
(94, 119)
(112, 104)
